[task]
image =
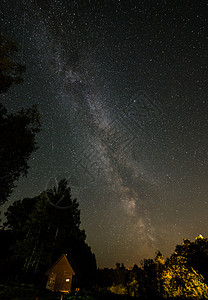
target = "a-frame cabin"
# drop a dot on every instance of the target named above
(60, 276)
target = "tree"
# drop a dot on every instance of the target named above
(196, 254)
(6, 240)
(44, 232)
(17, 142)
(120, 274)
(17, 215)
(181, 280)
(160, 266)
(148, 288)
(17, 131)
(10, 71)
(149, 276)
(133, 283)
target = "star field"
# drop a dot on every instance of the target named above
(122, 90)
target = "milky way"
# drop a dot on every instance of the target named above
(122, 89)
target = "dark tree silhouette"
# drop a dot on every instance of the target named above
(10, 70)
(17, 131)
(43, 232)
(17, 142)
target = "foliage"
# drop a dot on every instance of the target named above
(30, 291)
(180, 280)
(44, 232)
(118, 289)
(112, 277)
(148, 277)
(120, 274)
(17, 142)
(6, 241)
(172, 278)
(105, 277)
(14, 291)
(10, 71)
(196, 254)
(17, 131)
(133, 282)
(17, 215)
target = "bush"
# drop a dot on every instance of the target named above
(118, 289)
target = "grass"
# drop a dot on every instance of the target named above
(24, 292)
(30, 292)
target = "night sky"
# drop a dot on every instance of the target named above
(122, 91)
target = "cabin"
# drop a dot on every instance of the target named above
(60, 276)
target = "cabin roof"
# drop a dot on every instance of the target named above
(63, 257)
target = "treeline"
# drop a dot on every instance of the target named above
(183, 275)
(37, 232)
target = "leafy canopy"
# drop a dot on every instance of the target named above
(17, 131)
